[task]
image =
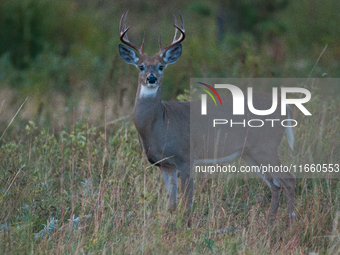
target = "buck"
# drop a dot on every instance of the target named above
(164, 129)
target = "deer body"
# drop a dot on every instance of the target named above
(150, 117)
(164, 129)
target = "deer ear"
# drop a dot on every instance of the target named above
(128, 55)
(173, 54)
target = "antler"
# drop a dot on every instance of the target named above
(174, 41)
(123, 34)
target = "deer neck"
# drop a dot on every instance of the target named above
(148, 110)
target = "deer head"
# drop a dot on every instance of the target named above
(150, 68)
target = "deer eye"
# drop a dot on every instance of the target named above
(141, 67)
(161, 68)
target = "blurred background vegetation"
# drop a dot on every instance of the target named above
(69, 184)
(63, 54)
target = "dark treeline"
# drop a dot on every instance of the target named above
(69, 48)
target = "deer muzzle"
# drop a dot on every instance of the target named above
(151, 79)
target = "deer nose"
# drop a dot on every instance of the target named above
(152, 79)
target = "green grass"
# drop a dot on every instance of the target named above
(88, 190)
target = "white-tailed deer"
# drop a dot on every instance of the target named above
(164, 127)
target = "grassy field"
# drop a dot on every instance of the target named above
(86, 190)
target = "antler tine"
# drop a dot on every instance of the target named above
(125, 18)
(142, 47)
(123, 34)
(176, 29)
(159, 42)
(175, 41)
(182, 22)
(120, 23)
(182, 25)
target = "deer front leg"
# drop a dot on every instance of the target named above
(288, 185)
(170, 180)
(274, 202)
(289, 188)
(187, 187)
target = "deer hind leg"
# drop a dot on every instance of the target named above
(288, 185)
(274, 188)
(274, 204)
(286, 181)
(187, 187)
(170, 180)
(277, 179)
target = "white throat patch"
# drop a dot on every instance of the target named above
(147, 91)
